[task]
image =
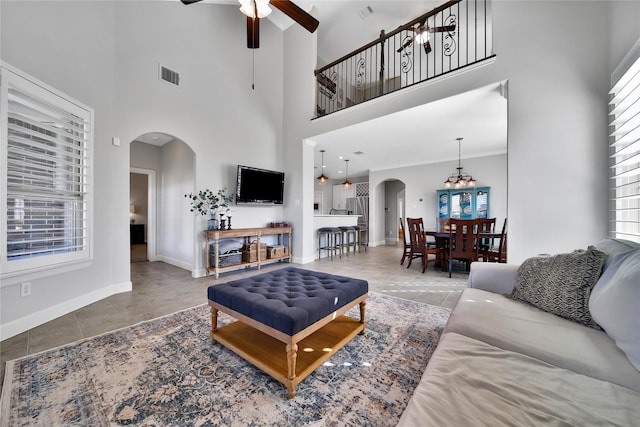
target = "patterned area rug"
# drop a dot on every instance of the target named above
(165, 372)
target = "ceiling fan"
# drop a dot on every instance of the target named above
(421, 34)
(256, 9)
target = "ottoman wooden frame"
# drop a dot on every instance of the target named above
(301, 353)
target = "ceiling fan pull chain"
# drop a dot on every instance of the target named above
(253, 69)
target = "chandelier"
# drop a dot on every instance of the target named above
(322, 179)
(459, 178)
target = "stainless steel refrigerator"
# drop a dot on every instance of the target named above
(359, 206)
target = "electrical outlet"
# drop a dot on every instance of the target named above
(25, 289)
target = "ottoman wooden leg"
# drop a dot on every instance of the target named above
(292, 354)
(214, 323)
(363, 306)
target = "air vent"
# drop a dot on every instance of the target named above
(169, 76)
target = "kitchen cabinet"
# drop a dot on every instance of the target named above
(341, 194)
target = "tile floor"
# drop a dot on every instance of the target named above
(160, 289)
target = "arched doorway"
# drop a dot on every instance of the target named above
(166, 164)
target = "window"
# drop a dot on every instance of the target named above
(624, 151)
(46, 205)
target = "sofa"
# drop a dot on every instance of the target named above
(501, 361)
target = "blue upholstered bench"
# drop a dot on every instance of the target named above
(292, 306)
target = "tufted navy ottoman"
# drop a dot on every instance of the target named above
(302, 309)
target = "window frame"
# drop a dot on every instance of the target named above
(34, 267)
(624, 148)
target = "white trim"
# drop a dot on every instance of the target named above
(626, 63)
(19, 277)
(306, 260)
(19, 270)
(176, 263)
(151, 211)
(22, 324)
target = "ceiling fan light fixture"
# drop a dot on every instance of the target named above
(422, 35)
(249, 8)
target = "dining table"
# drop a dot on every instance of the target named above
(442, 238)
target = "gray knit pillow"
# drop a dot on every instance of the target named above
(561, 284)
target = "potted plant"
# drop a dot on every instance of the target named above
(206, 202)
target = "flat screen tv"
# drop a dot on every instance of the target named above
(259, 186)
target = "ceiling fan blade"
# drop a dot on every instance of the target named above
(253, 33)
(405, 45)
(297, 14)
(427, 47)
(446, 28)
(188, 2)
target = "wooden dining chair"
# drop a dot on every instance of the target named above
(496, 253)
(418, 244)
(485, 225)
(406, 252)
(463, 242)
(443, 224)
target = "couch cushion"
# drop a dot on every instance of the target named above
(516, 326)
(615, 246)
(561, 284)
(471, 383)
(615, 302)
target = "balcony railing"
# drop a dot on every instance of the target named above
(459, 36)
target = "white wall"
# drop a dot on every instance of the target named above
(114, 49)
(421, 183)
(175, 236)
(557, 117)
(32, 37)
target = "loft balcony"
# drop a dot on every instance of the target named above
(449, 38)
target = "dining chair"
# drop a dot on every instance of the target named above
(496, 253)
(485, 225)
(443, 224)
(406, 252)
(463, 242)
(418, 245)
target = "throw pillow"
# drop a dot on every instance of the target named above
(561, 284)
(615, 300)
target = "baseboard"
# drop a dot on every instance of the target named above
(176, 263)
(30, 321)
(378, 243)
(198, 273)
(305, 260)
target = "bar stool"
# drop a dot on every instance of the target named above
(363, 237)
(333, 238)
(348, 232)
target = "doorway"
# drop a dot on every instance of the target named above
(142, 214)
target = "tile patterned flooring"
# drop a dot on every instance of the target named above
(160, 289)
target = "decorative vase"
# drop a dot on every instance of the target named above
(212, 224)
(222, 225)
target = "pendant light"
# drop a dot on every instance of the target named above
(459, 178)
(322, 179)
(347, 183)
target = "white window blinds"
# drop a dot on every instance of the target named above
(624, 152)
(46, 147)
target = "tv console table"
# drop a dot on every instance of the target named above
(249, 235)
